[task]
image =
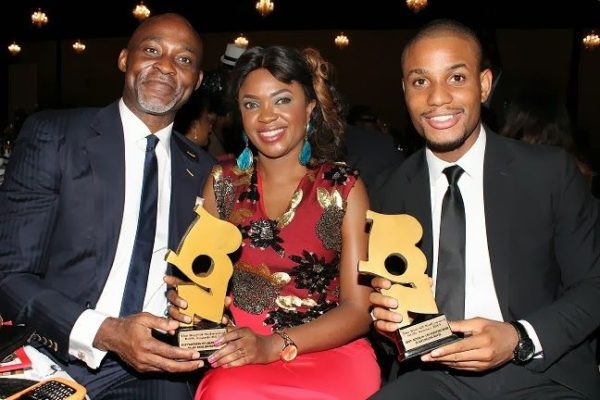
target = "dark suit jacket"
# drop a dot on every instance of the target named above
(371, 153)
(61, 207)
(543, 233)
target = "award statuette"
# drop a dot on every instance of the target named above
(393, 255)
(202, 256)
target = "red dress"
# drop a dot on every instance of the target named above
(287, 274)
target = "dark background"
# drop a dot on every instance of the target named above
(536, 45)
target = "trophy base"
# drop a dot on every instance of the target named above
(423, 337)
(201, 337)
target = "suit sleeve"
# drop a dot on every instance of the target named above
(575, 314)
(29, 201)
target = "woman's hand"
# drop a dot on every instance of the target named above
(244, 346)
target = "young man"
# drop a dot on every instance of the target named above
(92, 200)
(526, 232)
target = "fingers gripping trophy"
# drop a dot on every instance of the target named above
(394, 255)
(202, 256)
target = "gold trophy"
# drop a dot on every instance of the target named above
(202, 256)
(393, 255)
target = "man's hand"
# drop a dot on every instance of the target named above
(488, 344)
(131, 339)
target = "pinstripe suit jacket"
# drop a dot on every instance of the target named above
(61, 207)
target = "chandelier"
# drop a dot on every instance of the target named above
(78, 46)
(39, 18)
(264, 7)
(141, 12)
(14, 49)
(591, 41)
(416, 5)
(342, 41)
(241, 41)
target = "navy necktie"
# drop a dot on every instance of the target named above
(450, 280)
(137, 277)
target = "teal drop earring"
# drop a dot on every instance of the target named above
(306, 152)
(245, 159)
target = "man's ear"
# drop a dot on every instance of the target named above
(200, 77)
(485, 80)
(122, 60)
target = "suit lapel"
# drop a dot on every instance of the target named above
(185, 186)
(418, 204)
(497, 189)
(106, 150)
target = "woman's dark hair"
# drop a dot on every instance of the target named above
(312, 72)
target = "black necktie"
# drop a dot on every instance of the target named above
(137, 277)
(450, 281)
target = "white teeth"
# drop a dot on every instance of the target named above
(441, 118)
(272, 132)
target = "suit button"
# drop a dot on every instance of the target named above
(88, 305)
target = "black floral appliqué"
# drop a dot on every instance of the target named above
(251, 193)
(282, 319)
(338, 175)
(263, 233)
(313, 273)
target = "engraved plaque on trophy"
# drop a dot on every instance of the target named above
(202, 256)
(394, 255)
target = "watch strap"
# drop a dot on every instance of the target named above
(289, 350)
(521, 331)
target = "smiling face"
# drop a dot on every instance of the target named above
(162, 67)
(444, 89)
(274, 114)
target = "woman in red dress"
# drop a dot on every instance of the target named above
(300, 312)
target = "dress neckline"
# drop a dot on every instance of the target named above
(294, 201)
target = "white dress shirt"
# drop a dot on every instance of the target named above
(481, 299)
(109, 304)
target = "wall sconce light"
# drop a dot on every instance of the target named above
(141, 12)
(78, 46)
(14, 49)
(416, 5)
(264, 7)
(591, 41)
(39, 18)
(342, 41)
(241, 41)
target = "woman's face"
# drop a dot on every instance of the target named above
(274, 114)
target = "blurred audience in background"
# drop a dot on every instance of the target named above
(542, 118)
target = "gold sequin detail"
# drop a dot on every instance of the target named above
(288, 216)
(329, 226)
(224, 192)
(254, 288)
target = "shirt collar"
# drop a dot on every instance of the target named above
(136, 131)
(471, 162)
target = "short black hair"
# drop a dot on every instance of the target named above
(438, 27)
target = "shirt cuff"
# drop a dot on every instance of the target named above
(82, 338)
(539, 351)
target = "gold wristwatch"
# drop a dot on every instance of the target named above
(289, 350)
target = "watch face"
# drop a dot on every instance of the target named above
(525, 350)
(289, 353)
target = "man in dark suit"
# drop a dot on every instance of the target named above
(371, 152)
(530, 281)
(73, 211)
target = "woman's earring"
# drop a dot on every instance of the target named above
(306, 152)
(245, 159)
